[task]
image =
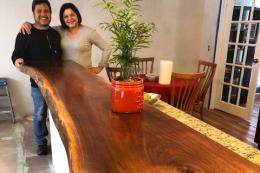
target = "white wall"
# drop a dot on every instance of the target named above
(210, 15)
(185, 28)
(12, 13)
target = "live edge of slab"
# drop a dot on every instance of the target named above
(98, 140)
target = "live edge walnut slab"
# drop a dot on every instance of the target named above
(100, 141)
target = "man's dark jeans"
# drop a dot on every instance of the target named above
(39, 119)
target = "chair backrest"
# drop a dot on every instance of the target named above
(185, 89)
(144, 65)
(210, 69)
(113, 72)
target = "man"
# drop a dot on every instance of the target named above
(43, 44)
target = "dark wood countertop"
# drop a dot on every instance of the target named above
(100, 141)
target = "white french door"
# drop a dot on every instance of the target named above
(237, 56)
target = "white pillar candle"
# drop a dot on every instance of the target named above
(165, 72)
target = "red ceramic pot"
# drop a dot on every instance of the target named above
(127, 97)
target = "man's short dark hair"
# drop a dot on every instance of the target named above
(37, 2)
(71, 6)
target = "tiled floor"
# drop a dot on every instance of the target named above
(18, 150)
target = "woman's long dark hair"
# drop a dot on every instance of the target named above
(71, 6)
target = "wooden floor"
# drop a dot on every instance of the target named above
(237, 127)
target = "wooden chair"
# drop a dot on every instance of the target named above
(210, 69)
(144, 65)
(185, 90)
(113, 72)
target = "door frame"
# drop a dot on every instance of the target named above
(219, 49)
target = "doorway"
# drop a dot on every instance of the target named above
(237, 56)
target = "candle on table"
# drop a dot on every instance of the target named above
(165, 71)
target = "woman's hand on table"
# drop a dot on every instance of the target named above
(95, 70)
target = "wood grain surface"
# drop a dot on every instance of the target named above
(100, 141)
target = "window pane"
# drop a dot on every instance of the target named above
(233, 33)
(256, 14)
(240, 54)
(243, 32)
(225, 93)
(246, 77)
(250, 55)
(254, 33)
(243, 98)
(233, 96)
(230, 54)
(246, 13)
(237, 75)
(236, 13)
(228, 72)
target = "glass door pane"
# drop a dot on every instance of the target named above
(250, 55)
(246, 13)
(253, 33)
(233, 33)
(240, 55)
(230, 53)
(243, 32)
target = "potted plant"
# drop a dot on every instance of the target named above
(129, 36)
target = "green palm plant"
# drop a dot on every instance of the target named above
(129, 35)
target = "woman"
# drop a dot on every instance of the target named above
(77, 39)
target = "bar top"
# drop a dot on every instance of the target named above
(98, 140)
(241, 148)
